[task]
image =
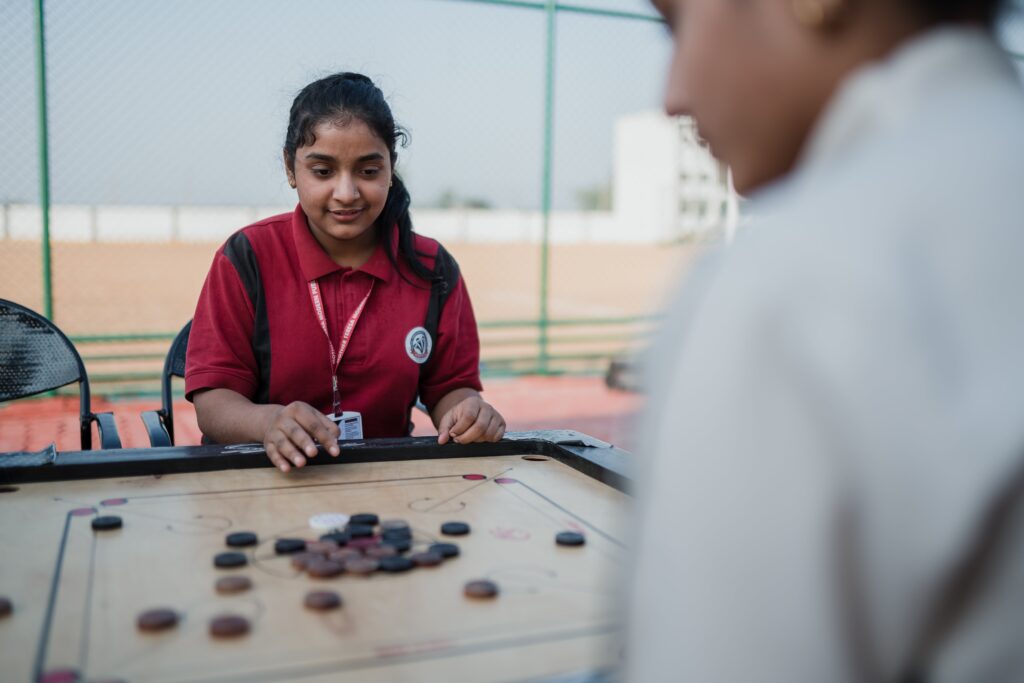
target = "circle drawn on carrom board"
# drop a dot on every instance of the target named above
(431, 505)
(525, 579)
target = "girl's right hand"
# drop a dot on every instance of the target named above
(294, 433)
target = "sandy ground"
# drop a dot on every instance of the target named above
(103, 288)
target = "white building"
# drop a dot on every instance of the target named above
(666, 185)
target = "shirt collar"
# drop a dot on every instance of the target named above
(896, 88)
(315, 263)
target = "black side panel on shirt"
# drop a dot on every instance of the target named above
(448, 270)
(239, 252)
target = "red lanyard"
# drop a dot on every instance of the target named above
(346, 337)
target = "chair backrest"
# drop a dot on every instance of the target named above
(35, 356)
(174, 366)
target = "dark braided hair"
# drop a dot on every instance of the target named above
(339, 98)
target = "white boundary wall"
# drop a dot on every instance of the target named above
(70, 223)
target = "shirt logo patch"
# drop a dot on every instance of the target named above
(418, 345)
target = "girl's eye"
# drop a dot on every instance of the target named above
(371, 171)
(321, 172)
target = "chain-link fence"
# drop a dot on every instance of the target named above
(165, 122)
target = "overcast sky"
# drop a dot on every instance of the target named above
(186, 101)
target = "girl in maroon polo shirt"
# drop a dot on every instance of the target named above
(323, 309)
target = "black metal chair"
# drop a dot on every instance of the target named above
(160, 423)
(35, 356)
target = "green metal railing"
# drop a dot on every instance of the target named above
(44, 158)
(131, 364)
(541, 363)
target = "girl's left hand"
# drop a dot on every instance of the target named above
(472, 419)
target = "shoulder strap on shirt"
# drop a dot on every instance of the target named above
(446, 277)
(239, 252)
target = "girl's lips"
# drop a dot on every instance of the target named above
(347, 215)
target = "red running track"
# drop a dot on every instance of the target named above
(580, 403)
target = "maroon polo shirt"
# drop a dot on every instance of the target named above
(255, 312)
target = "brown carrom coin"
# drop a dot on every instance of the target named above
(322, 600)
(322, 547)
(362, 565)
(344, 555)
(427, 559)
(233, 584)
(481, 588)
(6, 606)
(158, 619)
(322, 568)
(301, 561)
(229, 626)
(379, 551)
(363, 543)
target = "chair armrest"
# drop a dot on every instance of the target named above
(108, 430)
(154, 425)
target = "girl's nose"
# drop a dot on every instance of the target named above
(346, 190)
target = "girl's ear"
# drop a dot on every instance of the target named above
(287, 170)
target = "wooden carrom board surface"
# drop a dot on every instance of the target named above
(77, 592)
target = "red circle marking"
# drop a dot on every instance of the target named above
(114, 501)
(474, 477)
(506, 480)
(83, 512)
(60, 676)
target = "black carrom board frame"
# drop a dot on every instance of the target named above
(590, 456)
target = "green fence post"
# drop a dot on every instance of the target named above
(44, 159)
(549, 107)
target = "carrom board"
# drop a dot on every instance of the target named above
(77, 592)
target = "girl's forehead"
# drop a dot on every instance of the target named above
(348, 131)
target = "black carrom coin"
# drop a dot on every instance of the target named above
(106, 523)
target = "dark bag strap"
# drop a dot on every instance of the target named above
(240, 253)
(446, 277)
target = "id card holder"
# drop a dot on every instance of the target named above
(350, 423)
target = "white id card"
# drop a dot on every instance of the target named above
(350, 423)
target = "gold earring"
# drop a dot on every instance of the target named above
(818, 14)
(391, 184)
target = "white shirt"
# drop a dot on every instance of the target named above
(859, 349)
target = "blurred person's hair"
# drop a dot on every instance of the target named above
(339, 99)
(948, 11)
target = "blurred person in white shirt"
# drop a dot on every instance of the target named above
(832, 469)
